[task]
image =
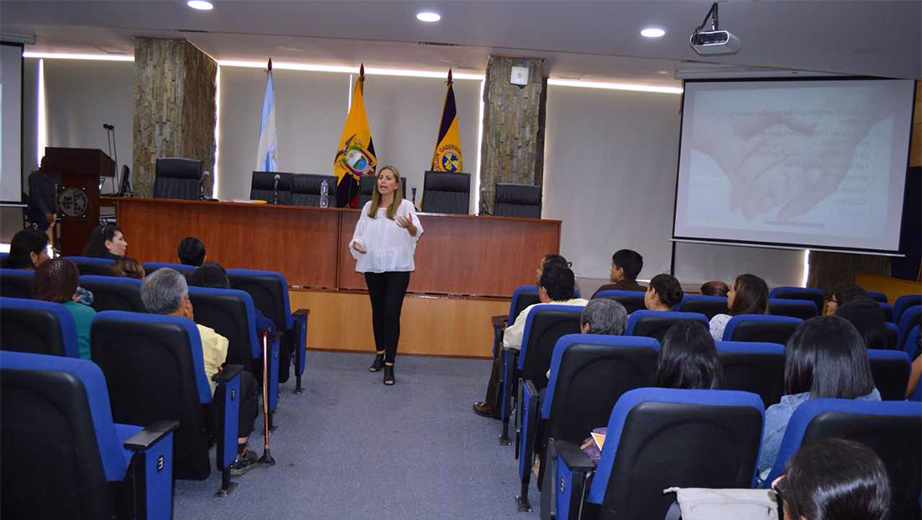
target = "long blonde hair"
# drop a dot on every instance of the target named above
(376, 195)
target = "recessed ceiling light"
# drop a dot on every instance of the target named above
(201, 5)
(427, 16)
(652, 32)
(662, 72)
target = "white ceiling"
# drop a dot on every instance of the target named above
(589, 40)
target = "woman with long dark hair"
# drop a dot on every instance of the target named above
(825, 357)
(28, 249)
(749, 295)
(383, 245)
(688, 359)
(106, 242)
(56, 281)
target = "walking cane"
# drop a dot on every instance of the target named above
(267, 455)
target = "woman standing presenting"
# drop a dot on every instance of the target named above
(383, 245)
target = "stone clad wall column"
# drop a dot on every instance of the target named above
(174, 107)
(512, 148)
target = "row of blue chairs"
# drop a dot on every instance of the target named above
(592, 376)
(55, 412)
(265, 290)
(662, 438)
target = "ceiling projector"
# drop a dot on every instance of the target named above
(715, 41)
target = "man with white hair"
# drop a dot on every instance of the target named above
(165, 292)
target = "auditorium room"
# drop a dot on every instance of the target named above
(461, 259)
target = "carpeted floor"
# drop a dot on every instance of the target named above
(351, 448)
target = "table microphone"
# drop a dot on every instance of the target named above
(201, 185)
(275, 188)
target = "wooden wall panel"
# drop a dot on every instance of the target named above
(465, 255)
(457, 255)
(299, 242)
(892, 287)
(441, 326)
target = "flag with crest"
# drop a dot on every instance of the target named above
(355, 155)
(447, 156)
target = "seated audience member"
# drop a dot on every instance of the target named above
(868, 318)
(834, 479)
(842, 295)
(557, 287)
(550, 259)
(625, 266)
(127, 267)
(165, 292)
(825, 357)
(28, 249)
(106, 242)
(212, 274)
(715, 288)
(688, 359)
(664, 292)
(602, 316)
(749, 295)
(191, 251)
(56, 281)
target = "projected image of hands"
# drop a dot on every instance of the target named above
(784, 160)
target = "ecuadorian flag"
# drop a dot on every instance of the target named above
(356, 153)
(447, 156)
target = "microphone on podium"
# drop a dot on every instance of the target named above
(275, 188)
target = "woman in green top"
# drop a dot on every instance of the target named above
(56, 281)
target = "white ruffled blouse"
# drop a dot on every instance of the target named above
(389, 247)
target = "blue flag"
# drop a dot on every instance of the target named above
(267, 152)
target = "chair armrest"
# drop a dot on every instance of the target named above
(572, 456)
(500, 320)
(227, 373)
(574, 471)
(149, 436)
(302, 312)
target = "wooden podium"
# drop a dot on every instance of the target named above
(78, 193)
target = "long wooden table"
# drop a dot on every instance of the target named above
(457, 254)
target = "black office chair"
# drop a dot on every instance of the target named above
(155, 371)
(177, 178)
(753, 367)
(367, 186)
(16, 283)
(269, 291)
(710, 306)
(655, 324)
(263, 187)
(231, 313)
(761, 328)
(64, 457)
(891, 428)
(446, 192)
(660, 438)
(589, 372)
(890, 369)
(113, 293)
(543, 327)
(90, 265)
(517, 200)
(803, 309)
(38, 327)
(632, 300)
(305, 189)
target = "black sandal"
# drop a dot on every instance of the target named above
(389, 379)
(377, 364)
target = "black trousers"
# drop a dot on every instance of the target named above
(249, 404)
(386, 291)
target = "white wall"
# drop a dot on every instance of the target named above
(610, 175)
(82, 95)
(610, 155)
(403, 114)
